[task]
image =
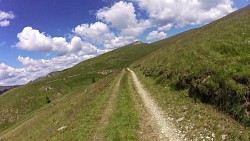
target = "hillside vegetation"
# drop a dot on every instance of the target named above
(19, 104)
(211, 62)
(200, 79)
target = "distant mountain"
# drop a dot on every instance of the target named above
(4, 89)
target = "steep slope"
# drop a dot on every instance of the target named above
(211, 62)
(20, 104)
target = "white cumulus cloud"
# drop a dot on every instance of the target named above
(156, 35)
(180, 13)
(122, 17)
(4, 23)
(96, 33)
(33, 40)
(5, 18)
(118, 42)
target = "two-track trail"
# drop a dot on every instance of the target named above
(153, 122)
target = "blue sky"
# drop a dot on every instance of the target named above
(40, 36)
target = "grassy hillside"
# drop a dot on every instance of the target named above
(211, 62)
(20, 104)
(72, 118)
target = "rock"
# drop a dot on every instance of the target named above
(213, 135)
(180, 119)
(223, 137)
(61, 128)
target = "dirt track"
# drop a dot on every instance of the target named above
(163, 126)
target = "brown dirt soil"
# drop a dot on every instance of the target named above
(164, 127)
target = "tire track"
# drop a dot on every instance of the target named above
(98, 135)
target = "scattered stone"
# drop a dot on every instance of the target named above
(223, 137)
(48, 88)
(213, 135)
(180, 119)
(61, 128)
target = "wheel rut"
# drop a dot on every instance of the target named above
(105, 118)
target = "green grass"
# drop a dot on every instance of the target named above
(18, 104)
(211, 63)
(199, 120)
(79, 111)
(124, 122)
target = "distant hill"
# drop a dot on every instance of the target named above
(4, 89)
(51, 74)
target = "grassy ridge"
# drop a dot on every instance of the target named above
(124, 122)
(211, 62)
(18, 104)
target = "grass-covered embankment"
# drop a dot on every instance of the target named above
(196, 120)
(211, 63)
